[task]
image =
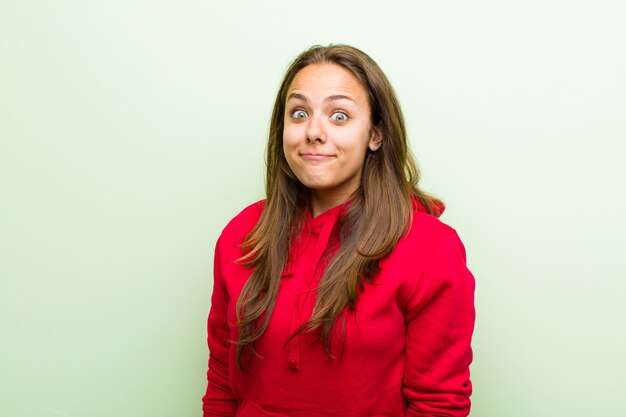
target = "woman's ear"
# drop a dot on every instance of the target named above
(376, 139)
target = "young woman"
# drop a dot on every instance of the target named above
(341, 294)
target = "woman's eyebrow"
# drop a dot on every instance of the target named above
(298, 96)
(333, 97)
(339, 97)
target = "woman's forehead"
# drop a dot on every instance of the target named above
(326, 80)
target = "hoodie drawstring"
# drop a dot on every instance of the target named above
(308, 290)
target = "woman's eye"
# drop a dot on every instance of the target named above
(339, 117)
(298, 114)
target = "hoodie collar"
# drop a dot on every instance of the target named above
(315, 225)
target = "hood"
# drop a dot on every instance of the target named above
(436, 207)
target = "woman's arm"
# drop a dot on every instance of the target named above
(440, 322)
(218, 399)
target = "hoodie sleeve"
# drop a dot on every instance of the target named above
(218, 399)
(440, 322)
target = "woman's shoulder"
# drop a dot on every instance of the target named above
(426, 231)
(425, 226)
(425, 222)
(428, 225)
(431, 250)
(240, 225)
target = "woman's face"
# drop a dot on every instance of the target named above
(327, 130)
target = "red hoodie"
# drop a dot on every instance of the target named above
(406, 350)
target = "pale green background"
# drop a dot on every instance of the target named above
(131, 131)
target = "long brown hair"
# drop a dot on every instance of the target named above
(388, 185)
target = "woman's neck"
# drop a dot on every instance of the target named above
(322, 201)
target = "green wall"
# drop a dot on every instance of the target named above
(131, 131)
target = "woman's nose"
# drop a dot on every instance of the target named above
(315, 130)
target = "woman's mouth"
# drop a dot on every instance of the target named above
(316, 156)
